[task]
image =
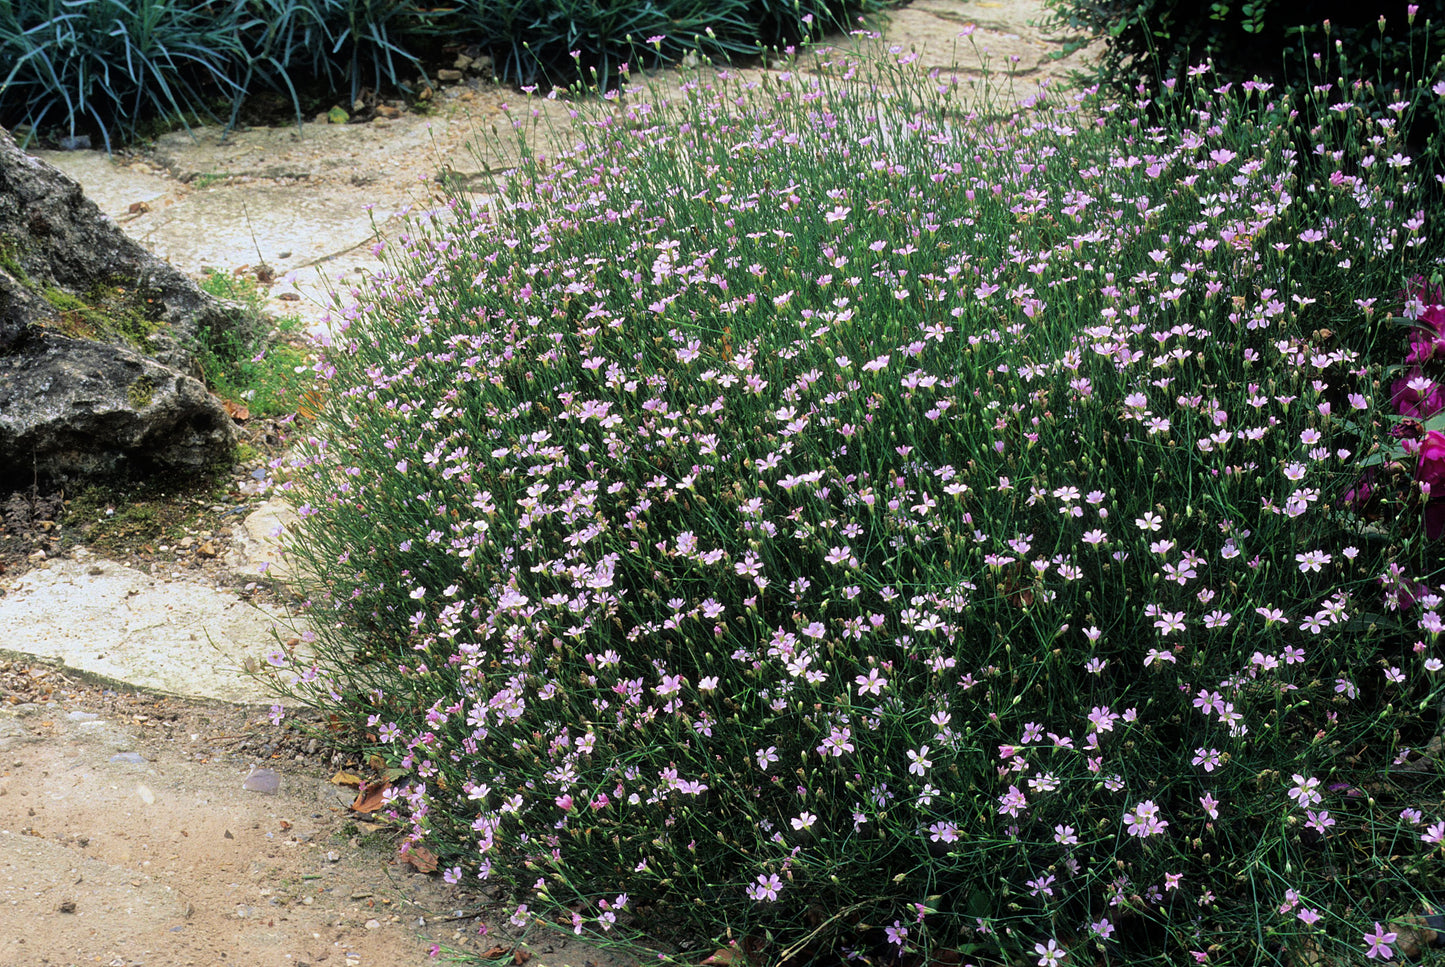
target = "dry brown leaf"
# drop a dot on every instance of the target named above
(369, 798)
(346, 779)
(517, 955)
(236, 411)
(309, 405)
(423, 860)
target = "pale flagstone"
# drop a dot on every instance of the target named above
(167, 636)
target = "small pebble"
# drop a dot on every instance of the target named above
(129, 758)
(264, 781)
(332, 856)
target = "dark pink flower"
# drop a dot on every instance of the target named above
(1431, 468)
(1425, 346)
(1434, 316)
(1416, 395)
(1403, 593)
(1359, 496)
(1424, 291)
(1431, 471)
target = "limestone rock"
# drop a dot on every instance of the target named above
(75, 409)
(258, 542)
(98, 340)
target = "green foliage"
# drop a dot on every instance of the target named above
(107, 312)
(556, 41)
(104, 65)
(262, 365)
(141, 392)
(342, 44)
(1147, 40)
(814, 520)
(10, 260)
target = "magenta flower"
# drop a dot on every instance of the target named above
(1361, 493)
(1428, 341)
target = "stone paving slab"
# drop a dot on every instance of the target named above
(168, 636)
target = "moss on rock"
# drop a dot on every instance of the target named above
(108, 313)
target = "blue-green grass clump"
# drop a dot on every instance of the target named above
(112, 68)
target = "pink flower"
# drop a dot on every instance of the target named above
(1425, 346)
(1428, 341)
(1378, 943)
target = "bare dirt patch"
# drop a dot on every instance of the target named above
(129, 836)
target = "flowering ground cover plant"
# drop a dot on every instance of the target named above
(815, 517)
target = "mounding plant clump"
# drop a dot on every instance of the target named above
(814, 519)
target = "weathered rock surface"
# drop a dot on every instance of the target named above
(76, 409)
(97, 341)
